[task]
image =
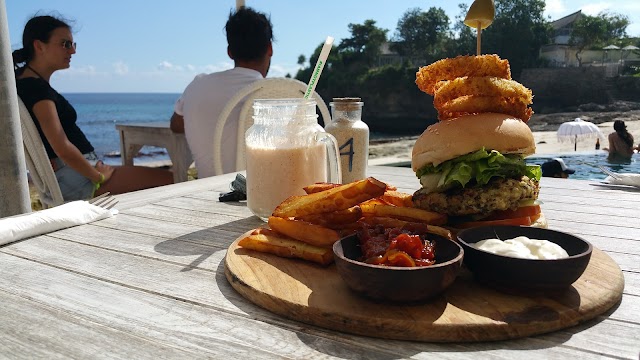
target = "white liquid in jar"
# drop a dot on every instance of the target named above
(523, 247)
(275, 174)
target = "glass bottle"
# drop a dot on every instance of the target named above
(352, 135)
(286, 150)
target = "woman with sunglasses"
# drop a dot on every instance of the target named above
(47, 47)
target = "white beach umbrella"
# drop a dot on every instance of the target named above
(578, 128)
(610, 47)
(630, 47)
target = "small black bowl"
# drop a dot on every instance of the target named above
(393, 283)
(509, 273)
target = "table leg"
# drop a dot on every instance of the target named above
(127, 151)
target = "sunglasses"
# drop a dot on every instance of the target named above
(68, 44)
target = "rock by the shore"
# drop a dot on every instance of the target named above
(595, 113)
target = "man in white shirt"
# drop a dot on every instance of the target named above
(249, 36)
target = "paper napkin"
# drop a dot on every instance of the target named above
(624, 179)
(45, 221)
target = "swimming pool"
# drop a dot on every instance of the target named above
(586, 164)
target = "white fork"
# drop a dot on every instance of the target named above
(609, 172)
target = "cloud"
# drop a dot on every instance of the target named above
(280, 70)
(120, 68)
(555, 9)
(221, 66)
(594, 9)
(167, 66)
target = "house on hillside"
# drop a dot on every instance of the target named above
(561, 54)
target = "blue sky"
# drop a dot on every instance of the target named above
(160, 45)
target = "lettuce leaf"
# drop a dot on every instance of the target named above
(478, 168)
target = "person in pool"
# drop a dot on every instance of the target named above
(620, 143)
(48, 47)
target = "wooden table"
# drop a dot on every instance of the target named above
(135, 135)
(150, 283)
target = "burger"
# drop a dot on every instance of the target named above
(472, 168)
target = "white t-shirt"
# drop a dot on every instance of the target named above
(200, 104)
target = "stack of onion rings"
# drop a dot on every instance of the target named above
(474, 84)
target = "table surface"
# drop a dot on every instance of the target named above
(150, 283)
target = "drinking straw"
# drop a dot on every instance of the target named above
(317, 70)
(239, 4)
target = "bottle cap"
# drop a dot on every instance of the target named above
(347, 103)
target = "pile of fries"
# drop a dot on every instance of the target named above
(306, 226)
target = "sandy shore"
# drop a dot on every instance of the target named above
(399, 152)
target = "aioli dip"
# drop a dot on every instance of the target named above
(523, 247)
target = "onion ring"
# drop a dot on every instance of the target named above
(449, 90)
(473, 104)
(449, 69)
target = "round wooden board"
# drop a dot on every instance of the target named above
(467, 311)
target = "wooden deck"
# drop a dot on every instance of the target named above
(150, 283)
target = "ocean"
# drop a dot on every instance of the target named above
(98, 114)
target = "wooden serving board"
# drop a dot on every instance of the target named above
(467, 311)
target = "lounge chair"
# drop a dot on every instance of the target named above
(38, 164)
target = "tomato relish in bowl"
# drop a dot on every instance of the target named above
(396, 247)
(394, 281)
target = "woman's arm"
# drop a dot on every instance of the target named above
(47, 115)
(612, 144)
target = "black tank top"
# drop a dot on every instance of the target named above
(32, 90)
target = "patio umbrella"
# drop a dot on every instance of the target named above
(630, 47)
(578, 128)
(610, 47)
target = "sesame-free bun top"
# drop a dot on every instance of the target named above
(451, 138)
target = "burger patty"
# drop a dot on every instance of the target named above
(498, 194)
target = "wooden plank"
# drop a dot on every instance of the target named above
(149, 196)
(622, 222)
(37, 330)
(195, 328)
(196, 218)
(208, 206)
(161, 319)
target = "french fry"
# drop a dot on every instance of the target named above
(338, 198)
(317, 187)
(404, 213)
(388, 222)
(269, 241)
(303, 231)
(334, 219)
(398, 198)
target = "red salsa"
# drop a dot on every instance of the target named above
(406, 246)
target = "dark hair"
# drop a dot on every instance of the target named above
(248, 34)
(621, 129)
(37, 28)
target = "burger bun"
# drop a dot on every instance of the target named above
(448, 139)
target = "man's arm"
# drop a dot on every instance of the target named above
(177, 123)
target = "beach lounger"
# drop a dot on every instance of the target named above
(271, 88)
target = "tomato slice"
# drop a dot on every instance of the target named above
(517, 213)
(525, 220)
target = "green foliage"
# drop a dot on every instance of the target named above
(463, 41)
(422, 34)
(597, 31)
(517, 33)
(355, 67)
